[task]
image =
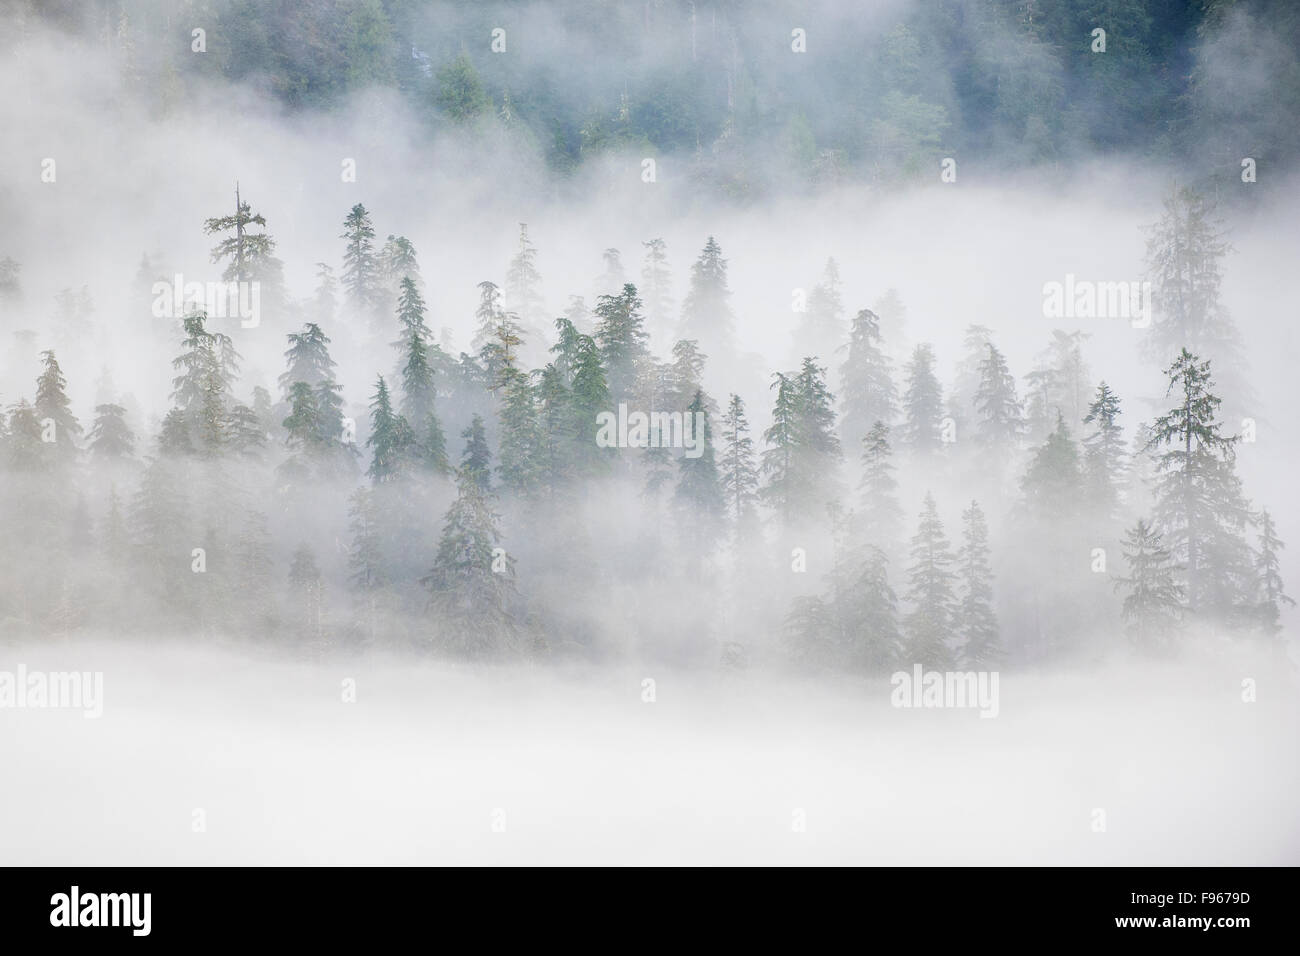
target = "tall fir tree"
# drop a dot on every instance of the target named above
(866, 380)
(922, 405)
(1200, 510)
(977, 624)
(928, 626)
(1153, 607)
(1104, 466)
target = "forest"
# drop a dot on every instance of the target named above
(460, 502)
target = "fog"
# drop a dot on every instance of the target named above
(296, 638)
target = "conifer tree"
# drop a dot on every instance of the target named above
(1153, 606)
(1103, 453)
(251, 254)
(390, 437)
(866, 380)
(998, 409)
(922, 405)
(1270, 595)
(739, 475)
(1058, 385)
(881, 518)
(1051, 483)
(361, 278)
(622, 340)
(472, 584)
(52, 405)
(929, 626)
(557, 433)
(520, 440)
(699, 491)
(1185, 252)
(977, 625)
(1200, 510)
(589, 396)
(706, 313)
(966, 380)
(656, 284)
(523, 285)
(821, 330)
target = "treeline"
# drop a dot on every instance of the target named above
(473, 511)
(875, 96)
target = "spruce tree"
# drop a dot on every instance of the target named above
(523, 285)
(1185, 252)
(390, 437)
(1104, 453)
(699, 490)
(706, 313)
(1153, 606)
(52, 405)
(1269, 595)
(821, 330)
(520, 439)
(881, 517)
(1200, 510)
(361, 278)
(998, 409)
(622, 340)
(922, 405)
(656, 285)
(866, 380)
(472, 590)
(251, 254)
(977, 624)
(739, 475)
(929, 626)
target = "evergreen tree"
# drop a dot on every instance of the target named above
(706, 314)
(1058, 385)
(977, 625)
(929, 625)
(476, 460)
(739, 478)
(390, 437)
(881, 518)
(589, 396)
(52, 405)
(361, 277)
(1154, 604)
(1200, 510)
(523, 285)
(821, 330)
(699, 491)
(998, 408)
(966, 382)
(656, 284)
(251, 254)
(1103, 453)
(520, 441)
(303, 426)
(622, 341)
(866, 379)
(1185, 251)
(922, 405)
(471, 584)
(1270, 595)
